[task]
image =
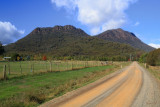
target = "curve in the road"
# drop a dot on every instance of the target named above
(134, 87)
(120, 90)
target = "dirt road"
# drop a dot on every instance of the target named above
(132, 86)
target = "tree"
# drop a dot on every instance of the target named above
(35, 57)
(18, 58)
(143, 58)
(153, 58)
(1, 49)
(14, 56)
(28, 58)
(44, 58)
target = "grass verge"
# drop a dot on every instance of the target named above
(154, 70)
(32, 90)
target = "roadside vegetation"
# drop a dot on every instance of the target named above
(32, 90)
(152, 62)
(155, 70)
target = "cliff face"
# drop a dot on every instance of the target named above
(62, 29)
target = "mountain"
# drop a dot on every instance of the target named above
(121, 36)
(67, 41)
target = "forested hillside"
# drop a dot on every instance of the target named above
(62, 41)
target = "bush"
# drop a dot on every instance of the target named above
(143, 58)
(153, 58)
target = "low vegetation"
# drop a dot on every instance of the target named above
(152, 60)
(32, 90)
(155, 70)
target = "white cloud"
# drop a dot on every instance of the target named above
(9, 33)
(154, 45)
(136, 24)
(98, 15)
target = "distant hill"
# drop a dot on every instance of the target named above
(67, 41)
(121, 36)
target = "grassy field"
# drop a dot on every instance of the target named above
(32, 90)
(32, 67)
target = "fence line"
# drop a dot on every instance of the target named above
(14, 69)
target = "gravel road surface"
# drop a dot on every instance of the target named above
(132, 86)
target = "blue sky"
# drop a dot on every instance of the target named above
(19, 17)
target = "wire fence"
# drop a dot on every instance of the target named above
(14, 69)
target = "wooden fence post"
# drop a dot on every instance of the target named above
(4, 73)
(145, 65)
(72, 65)
(67, 66)
(9, 68)
(46, 66)
(58, 66)
(33, 68)
(20, 67)
(50, 66)
(76, 64)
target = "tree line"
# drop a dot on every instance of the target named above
(152, 58)
(44, 57)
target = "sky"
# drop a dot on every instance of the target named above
(19, 17)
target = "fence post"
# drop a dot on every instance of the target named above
(67, 65)
(72, 65)
(46, 66)
(58, 66)
(33, 67)
(4, 73)
(20, 67)
(87, 64)
(50, 66)
(9, 68)
(76, 64)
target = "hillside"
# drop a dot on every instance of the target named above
(67, 41)
(121, 36)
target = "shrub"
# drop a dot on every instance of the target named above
(153, 58)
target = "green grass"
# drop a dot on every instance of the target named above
(32, 67)
(33, 90)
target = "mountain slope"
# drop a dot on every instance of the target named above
(67, 41)
(121, 36)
